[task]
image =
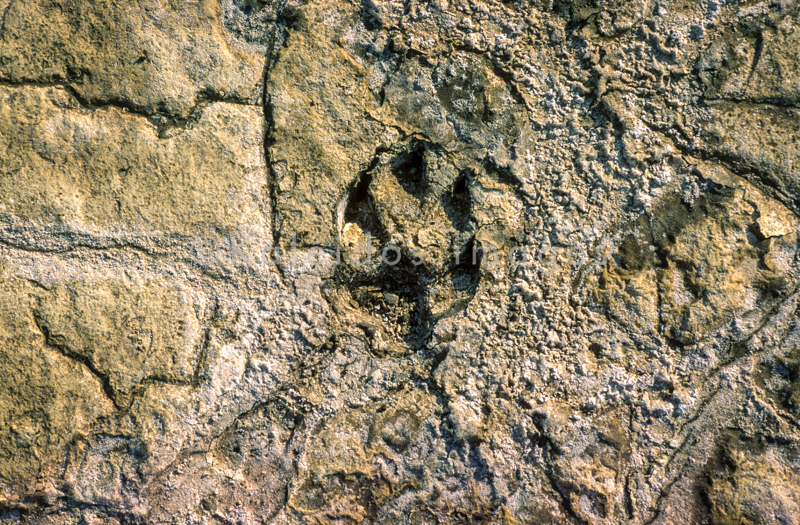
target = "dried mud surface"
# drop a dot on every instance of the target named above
(594, 317)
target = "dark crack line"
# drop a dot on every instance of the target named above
(136, 391)
(43, 327)
(269, 126)
(739, 101)
(202, 100)
(628, 500)
(270, 60)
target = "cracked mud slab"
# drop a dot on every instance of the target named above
(399, 262)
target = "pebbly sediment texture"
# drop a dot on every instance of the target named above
(593, 316)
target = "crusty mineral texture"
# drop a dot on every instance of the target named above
(399, 262)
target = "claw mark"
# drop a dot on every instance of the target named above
(756, 56)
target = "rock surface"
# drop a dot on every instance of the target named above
(399, 262)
